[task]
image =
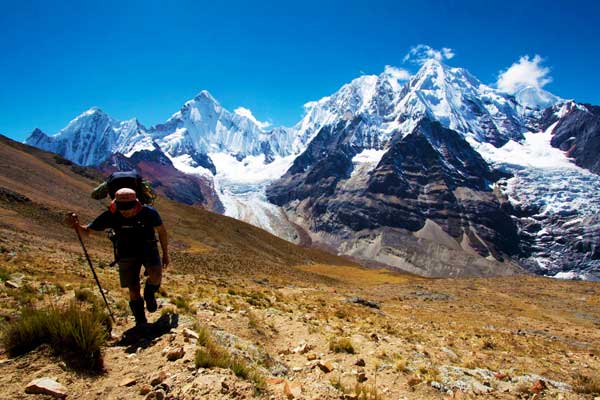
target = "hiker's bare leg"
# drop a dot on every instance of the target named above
(135, 292)
(155, 276)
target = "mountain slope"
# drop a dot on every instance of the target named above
(204, 239)
(284, 310)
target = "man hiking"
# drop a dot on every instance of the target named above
(134, 225)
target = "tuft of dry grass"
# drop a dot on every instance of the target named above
(341, 345)
(213, 355)
(74, 333)
(85, 295)
(358, 391)
(183, 304)
(586, 384)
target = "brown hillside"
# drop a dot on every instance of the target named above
(299, 323)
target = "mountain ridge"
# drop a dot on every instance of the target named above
(205, 140)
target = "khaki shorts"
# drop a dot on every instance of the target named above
(130, 268)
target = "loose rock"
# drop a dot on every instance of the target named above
(175, 354)
(11, 284)
(190, 334)
(158, 379)
(325, 367)
(46, 386)
(361, 377)
(292, 390)
(128, 381)
(145, 389)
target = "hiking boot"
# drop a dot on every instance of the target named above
(137, 308)
(149, 291)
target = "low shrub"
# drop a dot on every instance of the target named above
(341, 345)
(74, 333)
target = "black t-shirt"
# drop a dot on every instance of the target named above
(135, 235)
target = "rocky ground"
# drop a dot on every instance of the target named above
(322, 332)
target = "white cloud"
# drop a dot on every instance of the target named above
(525, 72)
(422, 52)
(448, 53)
(399, 73)
(245, 112)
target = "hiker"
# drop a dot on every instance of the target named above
(134, 225)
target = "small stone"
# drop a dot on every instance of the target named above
(46, 386)
(360, 362)
(145, 389)
(190, 334)
(361, 377)
(275, 381)
(303, 348)
(500, 376)
(158, 379)
(311, 357)
(224, 387)
(163, 386)
(11, 284)
(413, 381)
(292, 390)
(326, 367)
(538, 386)
(128, 381)
(63, 365)
(156, 395)
(374, 337)
(175, 354)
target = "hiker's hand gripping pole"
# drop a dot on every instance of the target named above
(73, 220)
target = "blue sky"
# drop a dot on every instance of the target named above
(144, 59)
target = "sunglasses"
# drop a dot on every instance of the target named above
(125, 205)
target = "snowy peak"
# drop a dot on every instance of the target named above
(203, 126)
(535, 98)
(459, 101)
(91, 137)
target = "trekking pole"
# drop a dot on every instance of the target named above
(87, 256)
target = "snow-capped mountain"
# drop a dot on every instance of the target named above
(385, 168)
(204, 126)
(93, 136)
(359, 187)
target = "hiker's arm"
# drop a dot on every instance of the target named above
(73, 221)
(164, 244)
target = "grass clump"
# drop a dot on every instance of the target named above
(183, 304)
(75, 333)
(358, 391)
(257, 299)
(212, 355)
(585, 384)
(341, 345)
(4, 274)
(85, 296)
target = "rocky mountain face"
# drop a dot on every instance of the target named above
(166, 179)
(577, 133)
(438, 175)
(390, 176)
